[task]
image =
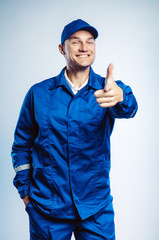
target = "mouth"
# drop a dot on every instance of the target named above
(83, 55)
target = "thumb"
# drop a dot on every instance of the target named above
(109, 77)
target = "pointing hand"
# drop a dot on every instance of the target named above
(111, 94)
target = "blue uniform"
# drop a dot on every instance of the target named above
(97, 227)
(61, 151)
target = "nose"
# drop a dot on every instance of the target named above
(83, 47)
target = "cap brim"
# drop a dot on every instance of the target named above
(90, 29)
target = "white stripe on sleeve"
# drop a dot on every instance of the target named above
(22, 167)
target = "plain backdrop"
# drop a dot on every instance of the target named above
(129, 37)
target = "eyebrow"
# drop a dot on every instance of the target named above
(79, 38)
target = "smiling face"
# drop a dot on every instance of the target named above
(79, 50)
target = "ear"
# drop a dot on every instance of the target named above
(61, 49)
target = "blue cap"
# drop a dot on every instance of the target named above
(75, 26)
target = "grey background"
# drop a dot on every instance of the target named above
(128, 36)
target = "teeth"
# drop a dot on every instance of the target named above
(82, 56)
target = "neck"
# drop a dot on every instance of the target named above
(78, 77)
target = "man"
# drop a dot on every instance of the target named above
(61, 151)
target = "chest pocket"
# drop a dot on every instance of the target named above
(91, 115)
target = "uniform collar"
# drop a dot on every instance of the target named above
(95, 80)
(59, 80)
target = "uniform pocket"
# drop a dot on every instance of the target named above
(38, 223)
(28, 206)
(41, 185)
(104, 219)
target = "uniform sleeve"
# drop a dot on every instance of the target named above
(128, 107)
(24, 136)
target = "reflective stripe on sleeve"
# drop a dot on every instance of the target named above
(22, 167)
(133, 113)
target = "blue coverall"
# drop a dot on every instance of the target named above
(61, 150)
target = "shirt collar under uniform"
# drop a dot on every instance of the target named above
(95, 81)
(74, 88)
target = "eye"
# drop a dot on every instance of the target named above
(91, 42)
(75, 42)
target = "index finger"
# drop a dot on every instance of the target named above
(99, 93)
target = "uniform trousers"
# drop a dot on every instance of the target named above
(97, 227)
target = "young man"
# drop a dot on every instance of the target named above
(61, 151)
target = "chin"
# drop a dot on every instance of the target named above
(85, 63)
(83, 66)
